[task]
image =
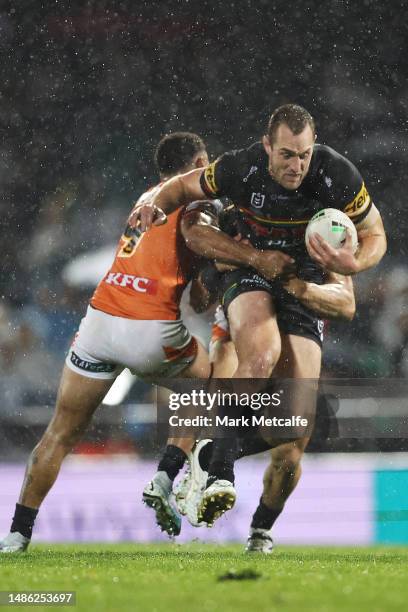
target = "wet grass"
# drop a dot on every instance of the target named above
(176, 577)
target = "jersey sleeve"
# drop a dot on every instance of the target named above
(347, 187)
(360, 205)
(217, 180)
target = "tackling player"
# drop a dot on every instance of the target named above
(132, 321)
(277, 185)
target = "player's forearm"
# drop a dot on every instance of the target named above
(210, 242)
(371, 250)
(331, 301)
(178, 191)
(171, 196)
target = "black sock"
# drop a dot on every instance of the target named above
(172, 461)
(264, 517)
(23, 520)
(224, 453)
(204, 458)
(252, 446)
(225, 448)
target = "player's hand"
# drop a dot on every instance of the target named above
(272, 264)
(144, 215)
(342, 260)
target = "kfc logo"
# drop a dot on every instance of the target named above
(138, 283)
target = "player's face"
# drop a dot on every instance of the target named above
(289, 155)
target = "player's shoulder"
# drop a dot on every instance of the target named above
(330, 167)
(256, 151)
(337, 183)
(242, 158)
(325, 156)
(149, 193)
(232, 170)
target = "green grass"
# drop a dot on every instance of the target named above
(171, 577)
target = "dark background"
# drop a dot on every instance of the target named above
(88, 88)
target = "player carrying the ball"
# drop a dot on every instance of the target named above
(276, 185)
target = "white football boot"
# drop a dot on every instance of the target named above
(217, 499)
(14, 542)
(259, 541)
(157, 495)
(193, 485)
(181, 488)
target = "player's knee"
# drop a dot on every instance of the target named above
(287, 459)
(64, 432)
(63, 440)
(260, 364)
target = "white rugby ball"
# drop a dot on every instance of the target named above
(332, 224)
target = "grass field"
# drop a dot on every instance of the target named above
(186, 578)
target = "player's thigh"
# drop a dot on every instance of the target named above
(78, 398)
(300, 358)
(223, 358)
(181, 437)
(253, 325)
(298, 371)
(200, 366)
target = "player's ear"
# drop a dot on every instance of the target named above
(200, 163)
(201, 160)
(266, 144)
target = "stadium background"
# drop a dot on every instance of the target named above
(87, 90)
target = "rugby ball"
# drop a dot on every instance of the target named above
(332, 224)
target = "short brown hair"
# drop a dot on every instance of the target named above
(296, 118)
(176, 151)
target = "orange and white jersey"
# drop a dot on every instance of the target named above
(149, 273)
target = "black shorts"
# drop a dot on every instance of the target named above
(292, 316)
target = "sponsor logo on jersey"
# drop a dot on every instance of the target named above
(286, 197)
(359, 204)
(209, 176)
(256, 280)
(138, 283)
(257, 200)
(291, 234)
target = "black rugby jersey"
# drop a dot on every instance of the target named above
(273, 217)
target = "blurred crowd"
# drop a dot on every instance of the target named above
(87, 90)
